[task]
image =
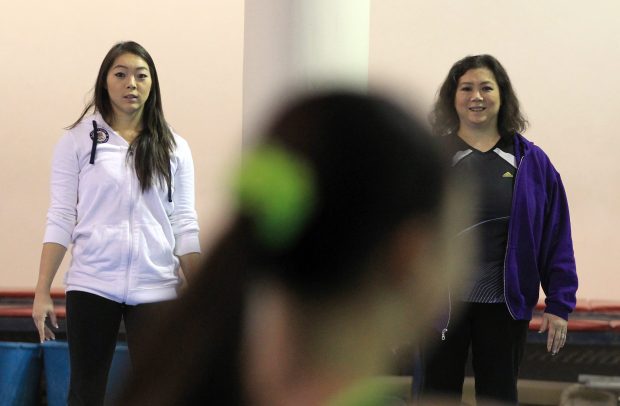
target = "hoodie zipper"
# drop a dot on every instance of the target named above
(508, 237)
(131, 236)
(445, 329)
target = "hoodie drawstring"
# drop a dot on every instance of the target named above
(170, 183)
(93, 149)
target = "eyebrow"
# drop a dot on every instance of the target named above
(125, 67)
(486, 82)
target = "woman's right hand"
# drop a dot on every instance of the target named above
(43, 307)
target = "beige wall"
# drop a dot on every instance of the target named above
(563, 58)
(49, 56)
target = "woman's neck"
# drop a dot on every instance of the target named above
(291, 362)
(128, 127)
(478, 138)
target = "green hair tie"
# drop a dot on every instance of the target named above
(277, 190)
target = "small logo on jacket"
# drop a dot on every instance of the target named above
(507, 175)
(102, 135)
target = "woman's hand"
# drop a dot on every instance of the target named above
(557, 327)
(43, 307)
(51, 257)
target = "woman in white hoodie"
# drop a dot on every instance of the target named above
(122, 194)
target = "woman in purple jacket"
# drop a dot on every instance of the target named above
(522, 227)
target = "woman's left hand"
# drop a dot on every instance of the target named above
(557, 327)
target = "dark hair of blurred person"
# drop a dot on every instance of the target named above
(326, 264)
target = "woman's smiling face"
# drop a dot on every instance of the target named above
(477, 100)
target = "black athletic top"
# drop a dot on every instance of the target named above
(494, 173)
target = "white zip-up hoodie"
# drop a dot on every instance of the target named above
(125, 242)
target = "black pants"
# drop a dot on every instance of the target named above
(497, 342)
(92, 329)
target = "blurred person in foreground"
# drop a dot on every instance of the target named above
(521, 220)
(334, 255)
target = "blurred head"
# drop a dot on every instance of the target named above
(445, 118)
(367, 169)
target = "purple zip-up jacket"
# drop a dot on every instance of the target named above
(539, 248)
(539, 251)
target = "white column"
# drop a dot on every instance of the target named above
(331, 42)
(300, 45)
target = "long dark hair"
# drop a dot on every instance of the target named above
(444, 118)
(371, 168)
(153, 147)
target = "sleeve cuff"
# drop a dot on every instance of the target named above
(57, 235)
(186, 243)
(557, 310)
